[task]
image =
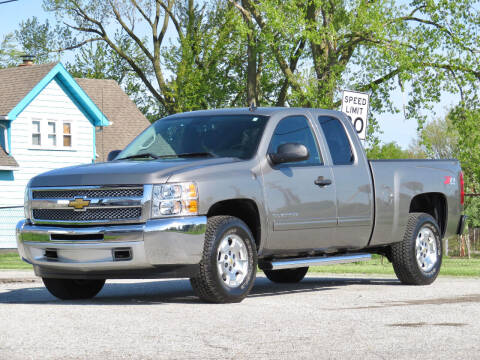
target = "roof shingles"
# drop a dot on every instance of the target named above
(126, 120)
(7, 160)
(17, 82)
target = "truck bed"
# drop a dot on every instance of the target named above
(398, 182)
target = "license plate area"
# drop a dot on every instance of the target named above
(80, 237)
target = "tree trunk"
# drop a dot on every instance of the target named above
(251, 60)
(462, 245)
(468, 246)
(251, 70)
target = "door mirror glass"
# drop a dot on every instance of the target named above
(289, 152)
(113, 154)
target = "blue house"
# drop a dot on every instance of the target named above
(47, 121)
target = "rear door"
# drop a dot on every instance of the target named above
(302, 214)
(351, 174)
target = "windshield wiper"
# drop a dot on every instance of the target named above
(183, 155)
(186, 155)
(198, 154)
(143, 155)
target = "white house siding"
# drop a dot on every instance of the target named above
(51, 104)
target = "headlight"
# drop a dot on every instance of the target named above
(26, 202)
(174, 199)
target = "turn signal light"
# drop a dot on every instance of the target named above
(192, 206)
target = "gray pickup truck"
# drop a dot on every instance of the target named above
(211, 195)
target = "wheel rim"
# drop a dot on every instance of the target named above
(426, 249)
(232, 260)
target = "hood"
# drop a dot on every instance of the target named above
(122, 172)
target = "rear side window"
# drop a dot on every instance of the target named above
(295, 129)
(337, 140)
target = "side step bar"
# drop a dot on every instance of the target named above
(314, 261)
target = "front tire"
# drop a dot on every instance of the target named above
(285, 276)
(72, 289)
(229, 264)
(418, 258)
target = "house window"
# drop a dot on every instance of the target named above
(36, 133)
(67, 134)
(52, 134)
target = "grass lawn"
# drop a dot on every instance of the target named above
(450, 266)
(11, 261)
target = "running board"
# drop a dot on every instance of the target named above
(313, 261)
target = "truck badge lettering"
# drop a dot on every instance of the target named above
(449, 180)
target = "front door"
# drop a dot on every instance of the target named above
(301, 207)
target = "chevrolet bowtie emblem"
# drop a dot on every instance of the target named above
(79, 203)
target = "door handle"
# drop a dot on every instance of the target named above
(322, 182)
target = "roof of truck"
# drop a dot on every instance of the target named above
(267, 111)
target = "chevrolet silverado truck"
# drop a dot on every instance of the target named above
(211, 195)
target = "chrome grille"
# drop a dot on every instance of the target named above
(86, 205)
(94, 214)
(89, 193)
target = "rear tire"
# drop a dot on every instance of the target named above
(286, 275)
(418, 258)
(229, 264)
(72, 289)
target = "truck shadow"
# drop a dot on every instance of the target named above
(176, 291)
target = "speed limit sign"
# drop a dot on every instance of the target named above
(355, 106)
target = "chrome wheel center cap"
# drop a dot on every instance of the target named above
(232, 260)
(426, 249)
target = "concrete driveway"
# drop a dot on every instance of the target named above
(331, 317)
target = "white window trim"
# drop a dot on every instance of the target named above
(35, 146)
(55, 133)
(44, 132)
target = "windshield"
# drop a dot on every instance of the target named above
(218, 135)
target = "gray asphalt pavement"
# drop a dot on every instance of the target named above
(323, 317)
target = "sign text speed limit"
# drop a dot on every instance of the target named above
(355, 106)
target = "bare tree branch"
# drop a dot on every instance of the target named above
(76, 46)
(175, 22)
(140, 10)
(137, 69)
(129, 31)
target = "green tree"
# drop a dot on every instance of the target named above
(220, 53)
(98, 61)
(9, 54)
(37, 39)
(321, 47)
(389, 150)
(465, 119)
(190, 46)
(437, 140)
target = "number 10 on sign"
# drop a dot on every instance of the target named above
(355, 106)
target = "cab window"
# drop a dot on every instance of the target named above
(295, 129)
(337, 140)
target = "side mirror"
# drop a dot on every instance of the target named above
(113, 154)
(290, 152)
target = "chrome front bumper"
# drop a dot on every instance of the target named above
(163, 243)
